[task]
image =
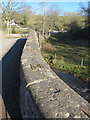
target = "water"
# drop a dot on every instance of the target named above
(80, 86)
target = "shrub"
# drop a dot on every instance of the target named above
(48, 46)
(13, 30)
(61, 59)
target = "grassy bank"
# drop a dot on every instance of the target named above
(64, 54)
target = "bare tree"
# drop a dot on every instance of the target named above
(8, 8)
(86, 12)
(18, 11)
(53, 15)
(26, 12)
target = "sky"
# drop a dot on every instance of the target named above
(61, 6)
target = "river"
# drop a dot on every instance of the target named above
(80, 86)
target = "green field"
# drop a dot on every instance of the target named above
(67, 55)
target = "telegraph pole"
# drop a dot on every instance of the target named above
(43, 17)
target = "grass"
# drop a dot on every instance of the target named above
(16, 30)
(65, 54)
(20, 31)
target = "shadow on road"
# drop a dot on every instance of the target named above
(11, 79)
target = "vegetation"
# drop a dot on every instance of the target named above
(50, 20)
(13, 30)
(71, 56)
(67, 50)
(14, 15)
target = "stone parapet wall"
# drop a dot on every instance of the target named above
(42, 93)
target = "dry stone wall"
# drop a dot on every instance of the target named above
(42, 93)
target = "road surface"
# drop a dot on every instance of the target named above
(11, 76)
(7, 43)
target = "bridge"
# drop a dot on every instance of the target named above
(42, 93)
(31, 89)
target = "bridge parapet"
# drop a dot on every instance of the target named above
(42, 93)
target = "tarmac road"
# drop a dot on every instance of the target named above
(11, 78)
(7, 43)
